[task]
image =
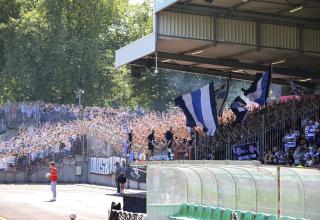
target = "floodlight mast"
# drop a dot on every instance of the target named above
(79, 93)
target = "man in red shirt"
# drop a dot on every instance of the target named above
(53, 179)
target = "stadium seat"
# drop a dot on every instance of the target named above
(260, 216)
(286, 218)
(198, 212)
(207, 212)
(191, 210)
(216, 214)
(272, 217)
(182, 212)
(227, 214)
(248, 216)
(240, 214)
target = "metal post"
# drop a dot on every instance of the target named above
(229, 146)
(278, 193)
(195, 147)
(263, 147)
(79, 98)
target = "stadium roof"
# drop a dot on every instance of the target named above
(234, 37)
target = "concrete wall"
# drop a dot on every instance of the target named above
(67, 174)
(109, 180)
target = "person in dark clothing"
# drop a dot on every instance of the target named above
(169, 141)
(151, 142)
(117, 175)
(130, 141)
(317, 137)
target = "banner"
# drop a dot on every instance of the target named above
(105, 166)
(246, 151)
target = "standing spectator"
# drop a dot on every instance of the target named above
(169, 141)
(123, 176)
(130, 141)
(117, 175)
(290, 140)
(309, 132)
(151, 143)
(53, 179)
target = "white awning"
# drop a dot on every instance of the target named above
(136, 50)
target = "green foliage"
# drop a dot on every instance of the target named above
(57, 46)
(50, 48)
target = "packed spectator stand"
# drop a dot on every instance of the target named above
(50, 131)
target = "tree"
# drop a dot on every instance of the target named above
(58, 46)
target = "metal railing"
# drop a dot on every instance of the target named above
(268, 134)
(123, 215)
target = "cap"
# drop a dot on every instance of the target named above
(52, 162)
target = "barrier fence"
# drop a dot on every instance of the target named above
(269, 134)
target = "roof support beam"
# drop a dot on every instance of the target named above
(239, 53)
(220, 11)
(240, 3)
(196, 49)
(204, 71)
(236, 64)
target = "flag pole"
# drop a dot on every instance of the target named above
(270, 85)
(195, 146)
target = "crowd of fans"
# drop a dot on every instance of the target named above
(60, 130)
(51, 140)
(35, 145)
(298, 149)
(278, 117)
(29, 113)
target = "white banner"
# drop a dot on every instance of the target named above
(104, 166)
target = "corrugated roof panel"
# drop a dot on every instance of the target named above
(280, 36)
(311, 40)
(185, 25)
(236, 31)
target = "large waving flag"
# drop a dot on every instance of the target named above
(259, 89)
(221, 95)
(238, 106)
(200, 108)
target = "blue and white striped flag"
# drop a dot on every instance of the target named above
(200, 108)
(296, 88)
(259, 89)
(238, 106)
